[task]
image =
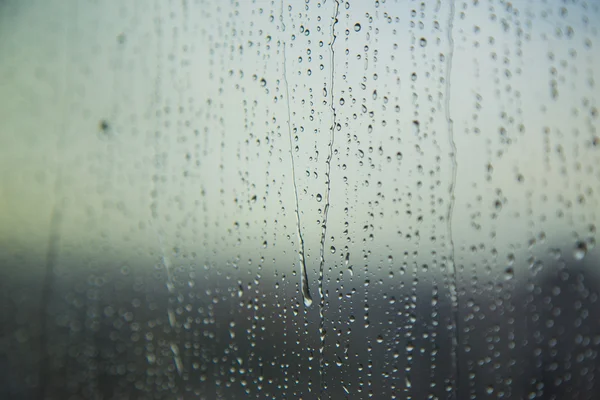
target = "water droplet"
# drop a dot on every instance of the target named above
(423, 42)
(498, 205)
(416, 127)
(580, 250)
(319, 197)
(356, 27)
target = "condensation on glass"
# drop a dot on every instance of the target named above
(306, 199)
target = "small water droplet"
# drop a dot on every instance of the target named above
(498, 205)
(171, 316)
(356, 27)
(319, 197)
(580, 250)
(416, 127)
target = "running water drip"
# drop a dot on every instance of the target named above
(327, 200)
(307, 299)
(154, 223)
(451, 266)
(166, 262)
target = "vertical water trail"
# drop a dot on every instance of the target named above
(166, 262)
(307, 299)
(154, 204)
(451, 265)
(327, 199)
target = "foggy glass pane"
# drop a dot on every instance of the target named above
(299, 199)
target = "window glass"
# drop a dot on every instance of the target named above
(299, 199)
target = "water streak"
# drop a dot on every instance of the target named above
(307, 299)
(327, 199)
(451, 190)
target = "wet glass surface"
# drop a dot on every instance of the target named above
(320, 199)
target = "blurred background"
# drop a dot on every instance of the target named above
(299, 199)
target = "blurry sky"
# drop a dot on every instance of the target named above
(147, 123)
